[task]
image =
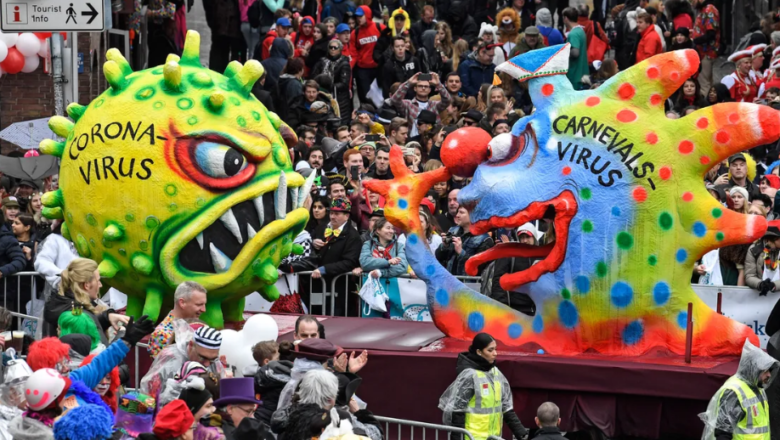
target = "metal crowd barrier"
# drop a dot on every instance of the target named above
(398, 426)
(15, 282)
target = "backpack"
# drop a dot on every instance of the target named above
(486, 280)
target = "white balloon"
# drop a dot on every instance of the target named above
(9, 39)
(44, 52)
(31, 63)
(244, 359)
(28, 44)
(3, 51)
(259, 328)
(231, 345)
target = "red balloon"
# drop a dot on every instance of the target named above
(42, 35)
(14, 62)
(464, 149)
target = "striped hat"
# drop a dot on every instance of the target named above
(208, 337)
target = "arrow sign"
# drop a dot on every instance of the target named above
(92, 13)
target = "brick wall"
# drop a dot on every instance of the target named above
(26, 96)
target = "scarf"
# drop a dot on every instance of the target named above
(768, 261)
(382, 252)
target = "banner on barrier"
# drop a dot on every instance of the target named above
(407, 300)
(741, 304)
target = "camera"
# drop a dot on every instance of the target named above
(446, 239)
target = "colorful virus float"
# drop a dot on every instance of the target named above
(623, 188)
(179, 173)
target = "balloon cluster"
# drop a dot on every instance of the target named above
(237, 346)
(22, 52)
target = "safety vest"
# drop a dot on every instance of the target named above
(484, 417)
(755, 424)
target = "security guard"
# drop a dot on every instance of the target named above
(740, 410)
(480, 399)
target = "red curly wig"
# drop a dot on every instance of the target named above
(111, 398)
(46, 353)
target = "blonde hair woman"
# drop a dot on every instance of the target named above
(79, 289)
(460, 51)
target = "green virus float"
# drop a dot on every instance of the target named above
(179, 173)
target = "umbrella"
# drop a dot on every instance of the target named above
(29, 168)
(28, 134)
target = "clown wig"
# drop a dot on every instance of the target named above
(47, 353)
(111, 398)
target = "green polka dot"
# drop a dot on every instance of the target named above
(720, 236)
(107, 243)
(235, 101)
(665, 221)
(273, 250)
(280, 156)
(91, 220)
(241, 121)
(226, 86)
(601, 269)
(585, 193)
(70, 216)
(285, 240)
(587, 226)
(717, 212)
(652, 260)
(130, 217)
(184, 103)
(99, 102)
(625, 241)
(565, 293)
(92, 242)
(143, 244)
(256, 115)
(145, 93)
(157, 71)
(158, 105)
(152, 222)
(192, 120)
(122, 251)
(172, 207)
(170, 189)
(200, 202)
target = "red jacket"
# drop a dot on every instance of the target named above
(300, 40)
(650, 44)
(364, 39)
(266, 46)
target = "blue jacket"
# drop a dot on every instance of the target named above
(337, 9)
(473, 74)
(369, 263)
(471, 245)
(92, 373)
(552, 35)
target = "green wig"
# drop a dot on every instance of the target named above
(76, 321)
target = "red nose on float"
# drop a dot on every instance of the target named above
(464, 149)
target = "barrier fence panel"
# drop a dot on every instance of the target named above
(401, 429)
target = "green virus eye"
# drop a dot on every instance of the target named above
(219, 161)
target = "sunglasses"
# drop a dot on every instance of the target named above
(469, 123)
(333, 48)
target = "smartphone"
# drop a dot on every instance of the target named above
(372, 138)
(424, 77)
(354, 171)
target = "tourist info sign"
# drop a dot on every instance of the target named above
(51, 15)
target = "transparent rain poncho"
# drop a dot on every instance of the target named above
(457, 396)
(169, 361)
(300, 367)
(724, 413)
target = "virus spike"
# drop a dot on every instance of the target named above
(76, 111)
(61, 126)
(113, 73)
(650, 82)
(276, 121)
(266, 272)
(248, 75)
(65, 231)
(52, 213)
(82, 246)
(216, 101)
(154, 299)
(53, 199)
(172, 57)
(271, 292)
(108, 268)
(52, 147)
(142, 263)
(113, 233)
(297, 249)
(202, 79)
(232, 69)
(172, 75)
(191, 54)
(116, 56)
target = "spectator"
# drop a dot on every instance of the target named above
(706, 39)
(717, 94)
(544, 22)
(462, 404)
(459, 244)
(761, 264)
(22, 228)
(626, 37)
(472, 118)
(400, 67)
(304, 104)
(274, 64)
(663, 25)
(681, 39)
(426, 23)
(689, 95)
(383, 255)
(380, 169)
(398, 26)
(440, 55)
(316, 161)
(425, 122)
(605, 71)
(364, 39)
(264, 96)
(526, 235)
(460, 53)
(80, 287)
(681, 13)
(445, 216)
(461, 22)
(454, 85)
(531, 39)
(430, 226)
(303, 40)
(368, 151)
(281, 30)
(318, 49)
(738, 176)
(161, 27)
(739, 199)
(189, 302)
(478, 69)
(365, 206)
(548, 417)
(10, 210)
(501, 126)
(227, 42)
(270, 380)
(336, 65)
(338, 9)
(308, 327)
(578, 64)
(236, 408)
(591, 28)
(411, 108)
(741, 84)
